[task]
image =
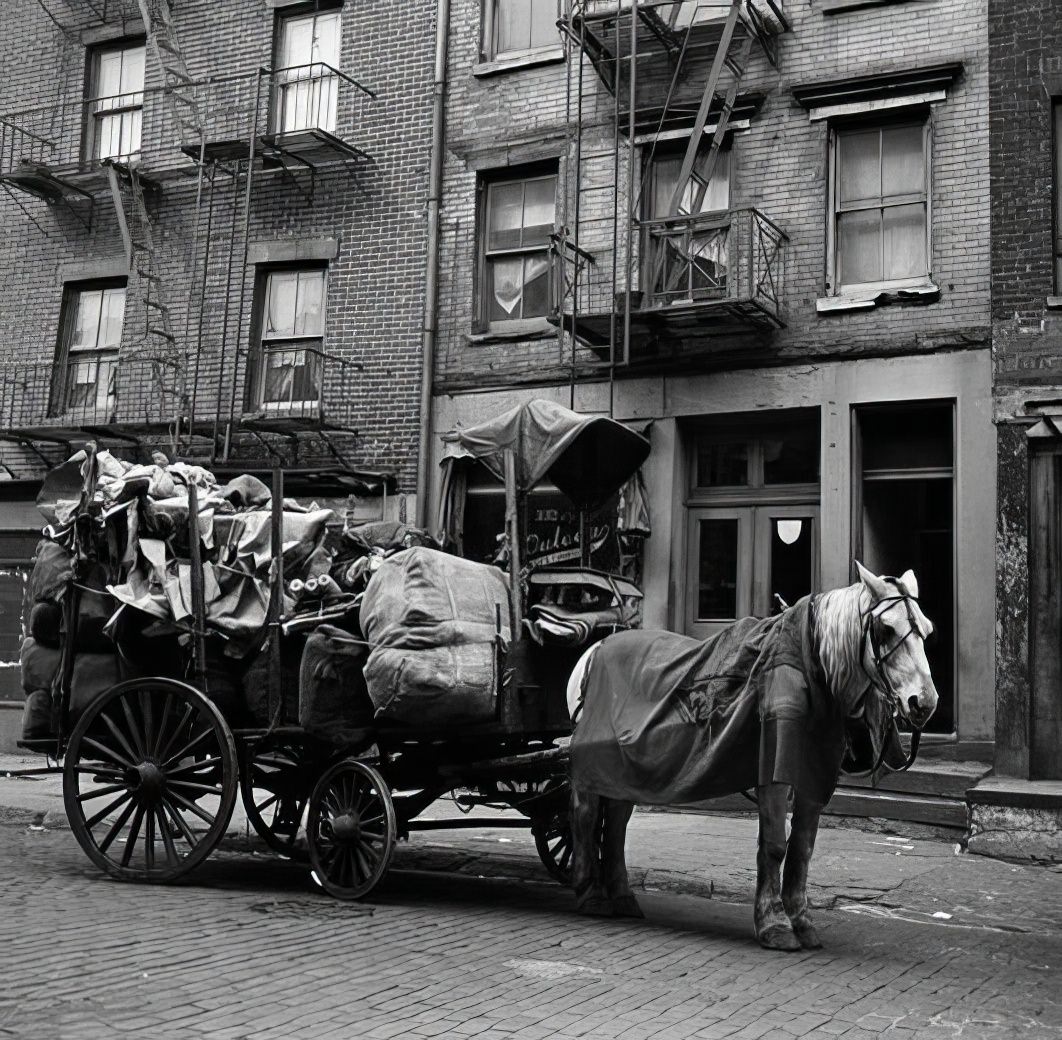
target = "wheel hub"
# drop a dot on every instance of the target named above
(149, 779)
(347, 828)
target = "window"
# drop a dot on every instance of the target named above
(86, 370)
(116, 104)
(686, 254)
(307, 86)
(518, 26)
(518, 220)
(880, 204)
(289, 373)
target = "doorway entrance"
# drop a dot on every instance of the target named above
(752, 533)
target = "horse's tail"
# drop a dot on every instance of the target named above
(577, 682)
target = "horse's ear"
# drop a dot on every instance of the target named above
(910, 583)
(878, 588)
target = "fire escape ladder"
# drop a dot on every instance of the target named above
(737, 65)
(160, 348)
(177, 83)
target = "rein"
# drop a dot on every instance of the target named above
(871, 639)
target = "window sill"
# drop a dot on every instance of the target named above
(1054, 303)
(843, 6)
(878, 296)
(513, 331)
(519, 60)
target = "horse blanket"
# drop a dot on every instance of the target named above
(670, 720)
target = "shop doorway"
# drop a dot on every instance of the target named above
(752, 535)
(904, 517)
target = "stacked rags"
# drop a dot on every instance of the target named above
(438, 626)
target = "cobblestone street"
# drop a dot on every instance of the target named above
(467, 938)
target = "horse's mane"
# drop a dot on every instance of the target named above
(838, 616)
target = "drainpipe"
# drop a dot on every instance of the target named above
(431, 278)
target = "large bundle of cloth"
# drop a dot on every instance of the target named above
(438, 626)
(670, 720)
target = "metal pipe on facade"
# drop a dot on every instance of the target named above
(431, 277)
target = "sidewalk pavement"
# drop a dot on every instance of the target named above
(903, 872)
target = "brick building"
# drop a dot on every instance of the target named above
(796, 306)
(1025, 105)
(214, 239)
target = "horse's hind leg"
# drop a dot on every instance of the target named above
(795, 875)
(773, 928)
(590, 894)
(613, 858)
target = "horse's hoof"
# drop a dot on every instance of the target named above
(626, 906)
(779, 937)
(596, 907)
(807, 935)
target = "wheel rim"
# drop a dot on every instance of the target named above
(275, 784)
(149, 780)
(553, 833)
(351, 829)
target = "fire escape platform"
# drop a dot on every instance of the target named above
(55, 183)
(311, 148)
(291, 424)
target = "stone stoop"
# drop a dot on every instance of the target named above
(1016, 819)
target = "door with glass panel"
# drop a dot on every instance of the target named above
(784, 555)
(719, 569)
(307, 87)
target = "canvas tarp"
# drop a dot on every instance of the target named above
(670, 720)
(588, 457)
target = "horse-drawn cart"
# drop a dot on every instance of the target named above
(153, 763)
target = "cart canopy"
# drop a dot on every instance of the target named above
(588, 457)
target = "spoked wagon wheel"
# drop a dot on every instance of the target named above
(275, 782)
(149, 780)
(351, 829)
(553, 833)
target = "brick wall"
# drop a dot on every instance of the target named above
(375, 210)
(779, 167)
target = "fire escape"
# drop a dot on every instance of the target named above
(189, 379)
(647, 267)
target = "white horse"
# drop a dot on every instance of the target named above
(869, 641)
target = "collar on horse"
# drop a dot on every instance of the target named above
(871, 639)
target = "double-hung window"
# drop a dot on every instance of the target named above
(292, 321)
(307, 84)
(1057, 237)
(518, 219)
(880, 205)
(116, 100)
(87, 362)
(513, 27)
(685, 253)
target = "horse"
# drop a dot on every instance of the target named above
(771, 704)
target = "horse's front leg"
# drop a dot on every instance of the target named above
(795, 876)
(590, 894)
(773, 928)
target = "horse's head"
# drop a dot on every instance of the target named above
(894, 650)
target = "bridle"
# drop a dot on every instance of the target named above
(871, 640)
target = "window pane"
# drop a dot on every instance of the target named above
(902, 163)
(539, 210)
(544, 23)
(860, 169)
(108, 74)
(505, 287)
(791, 458)
(113, 314)
(132, 71)
(280, 304)
(722, 464)
(505, 219)
(87, 320)
(717, 570)
(791, 560)
(536, 285)
(309, 304)
(905, 241)
(327, 39)
(296, 42)
(665, 177)
(859, 246)
(512, 21)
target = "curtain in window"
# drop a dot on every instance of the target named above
(521, 25)
(118, 91)
(92, 352)
(520, 217)
(293, 326)
(308, 89)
